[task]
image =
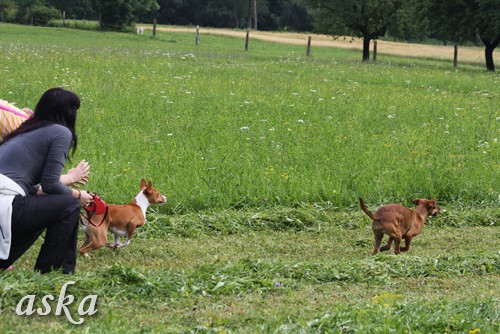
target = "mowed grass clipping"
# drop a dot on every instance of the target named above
(262, 155)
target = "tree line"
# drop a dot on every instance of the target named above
(450, 21)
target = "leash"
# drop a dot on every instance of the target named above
(96, 207)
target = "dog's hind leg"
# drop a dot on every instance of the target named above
(130, 232)
(86, 246)
(397, 244)
(378, 241)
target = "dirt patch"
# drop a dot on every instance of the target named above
(465, 54)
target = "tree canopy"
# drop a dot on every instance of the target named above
(368, 19)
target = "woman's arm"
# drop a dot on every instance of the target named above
(78, 175)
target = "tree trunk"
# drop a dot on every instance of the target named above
(249, 23)
(366, 48)
(254, 5)
(488, 52)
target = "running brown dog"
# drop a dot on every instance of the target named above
(399, 222)
(121, 220)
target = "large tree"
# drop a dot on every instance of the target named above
(488, 28)
(119, 14)
(35, 12)
(368, 19)
(6, 6)
(411, 23)
(76, 9)
(459, 21)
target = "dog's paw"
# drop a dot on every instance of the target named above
(384, 248)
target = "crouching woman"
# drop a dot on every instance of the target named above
(32, 197)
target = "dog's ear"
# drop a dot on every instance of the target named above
(416, 201)
(143, 183)
(150, 186)
(432, 203)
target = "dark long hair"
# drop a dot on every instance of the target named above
(56, 106)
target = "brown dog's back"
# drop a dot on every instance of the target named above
(121, 215)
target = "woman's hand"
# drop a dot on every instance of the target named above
(83, 196)
(78, 175)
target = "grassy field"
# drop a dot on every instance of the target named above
(262, 155)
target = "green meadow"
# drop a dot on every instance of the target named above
(263, 155)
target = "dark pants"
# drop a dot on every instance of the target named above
(55, 214)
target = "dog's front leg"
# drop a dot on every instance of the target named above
(123, 244)
(407, 244)
(116, 239)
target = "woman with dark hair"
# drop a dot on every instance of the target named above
(32, 197)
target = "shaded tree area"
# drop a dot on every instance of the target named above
(450, 21)
(272, 14)
(34, 12)
(368, 19)
(456, 22)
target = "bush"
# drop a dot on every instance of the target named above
(38, 15)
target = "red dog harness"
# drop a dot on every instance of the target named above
(96, 207)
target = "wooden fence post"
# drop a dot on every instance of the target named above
(197, 35)
(246, 40)
(154, 27)
(63, 18)
(455, 56)
(308, 49)
(374, 50)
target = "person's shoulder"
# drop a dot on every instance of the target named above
(58, 129)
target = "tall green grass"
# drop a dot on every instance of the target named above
(216, 127)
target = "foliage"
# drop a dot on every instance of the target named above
(7, 8)
(75, 9)
(35, 12)
(119, 14)
(364, 18)
(412, 22)
(465, 20)
(272, 14)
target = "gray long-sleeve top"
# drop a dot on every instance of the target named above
(37, 157)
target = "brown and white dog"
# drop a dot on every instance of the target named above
(399, 222)
(121, 220)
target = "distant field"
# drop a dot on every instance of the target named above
(441, 52)
(263, 155)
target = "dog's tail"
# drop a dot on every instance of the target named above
(365, 209)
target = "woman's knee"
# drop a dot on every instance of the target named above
(68, 205)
